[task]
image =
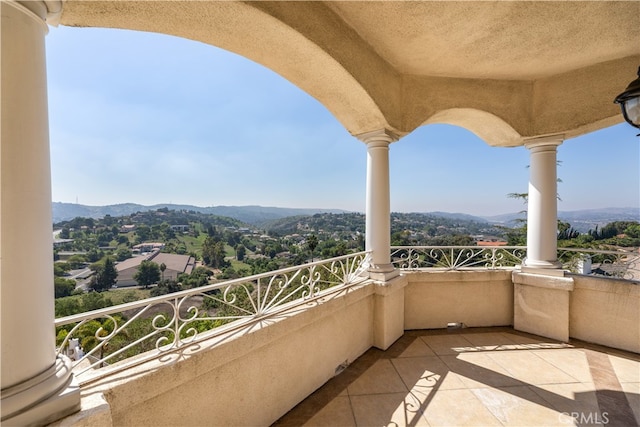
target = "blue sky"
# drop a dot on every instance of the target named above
(148, 118)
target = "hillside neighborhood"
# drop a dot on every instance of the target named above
(186, 248)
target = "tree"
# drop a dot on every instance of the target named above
(123, 254)
(65, 233)
(60, 269)
(63, 287)
(94, 254)
(77, 261)
(148, 273)
(312, 243)
(213, 252)
(198, 277)
(240, 252)
(163, 267)
(106, 276)
(166, 287)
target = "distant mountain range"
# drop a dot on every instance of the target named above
(247, 214)
(581, 220)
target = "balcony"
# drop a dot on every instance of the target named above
(352, 349)
(479, 376)
(549, 74)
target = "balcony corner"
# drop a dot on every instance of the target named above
(541, 304)
(388, 316)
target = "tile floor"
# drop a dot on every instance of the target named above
(479, 377)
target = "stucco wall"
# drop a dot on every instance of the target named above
(605, 311)
(249, 378)
(475, 298)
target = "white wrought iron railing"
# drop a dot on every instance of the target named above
(620, 263)
(152, 327)
(457, 257)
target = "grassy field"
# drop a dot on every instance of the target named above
(193, 244)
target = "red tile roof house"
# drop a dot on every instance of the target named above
(176, 264)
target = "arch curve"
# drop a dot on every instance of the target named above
(488, 127)
(246, 30)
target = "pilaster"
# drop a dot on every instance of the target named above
(541, 304)
(388, 312)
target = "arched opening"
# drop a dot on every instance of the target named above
(149, 118)
(446, 168)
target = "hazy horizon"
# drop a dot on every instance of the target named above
(338, 209)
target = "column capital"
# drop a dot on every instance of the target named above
(544, 141)
(379, 136)
(44, 11)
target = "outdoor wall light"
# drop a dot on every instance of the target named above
(629, 101)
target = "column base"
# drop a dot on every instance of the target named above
(383, 272)
(40, 400)
(531, 263)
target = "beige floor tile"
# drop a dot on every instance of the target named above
(336, 413)
(518, 406)
(417, 348)
(490, 341)
(426, 372)
(477, 380)
(477, 370)
(381, 377)
(569, 360)
(627, 370)
(458, 408)
(393, 409)
(570, 398)
(632, 391)
(534, 343)
(448, 344)
(527, 367)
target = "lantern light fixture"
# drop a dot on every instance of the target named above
(629, 101)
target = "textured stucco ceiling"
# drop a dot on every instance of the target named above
(506, 70)
(498, 40)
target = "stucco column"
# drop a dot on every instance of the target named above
(37, 386)
(542, 210)
(378, 209)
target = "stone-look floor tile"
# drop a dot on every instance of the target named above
(458, 408)
(415, 349)
(336, 413)
(545, 382)
(381, 377)
(490, 341)
(477, 370)
(524, 342)
(632, 391)
(393, 409)
(627, 370)
(578, 400)
(569, 360)
(527, 367)
(426, 372)
(448, 344)
(518, 406)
